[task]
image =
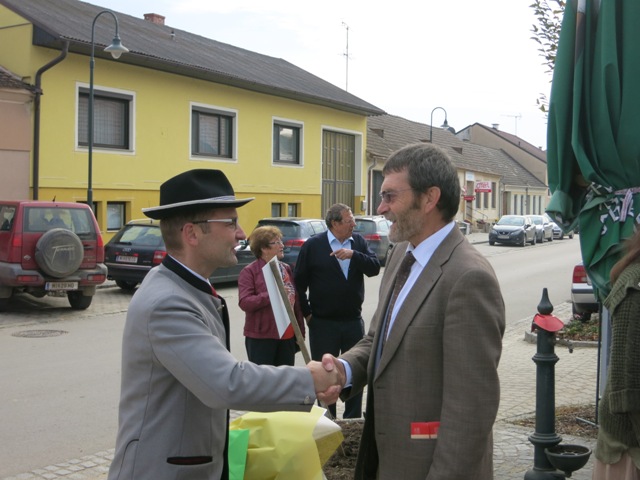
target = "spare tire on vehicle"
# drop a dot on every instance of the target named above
(59, 252)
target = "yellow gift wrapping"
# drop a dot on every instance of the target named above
(288, 445)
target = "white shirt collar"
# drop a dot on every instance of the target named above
(424, 250)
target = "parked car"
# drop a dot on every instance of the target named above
(50, 248)
(138, 247)
(375, 230)
(513, 230)
(295, 231)
(557, 231)
(544, 228)
(583, 299)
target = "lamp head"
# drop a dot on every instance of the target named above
(116, 48)
(447, 127)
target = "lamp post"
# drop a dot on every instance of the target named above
(445, 125)
(115, 49)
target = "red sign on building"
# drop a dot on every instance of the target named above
(483, 186)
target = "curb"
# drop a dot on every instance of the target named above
(532, 337)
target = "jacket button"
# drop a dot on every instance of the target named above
(307, 400)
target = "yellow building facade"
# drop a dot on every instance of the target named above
(160, 109)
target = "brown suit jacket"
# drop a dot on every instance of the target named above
(440, 363)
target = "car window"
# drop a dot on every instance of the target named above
(364, 226)
(142, 235)
(318, 227)
(41, 219)
(384, 226)
(511, 221)
(289, 230)
(537, 220)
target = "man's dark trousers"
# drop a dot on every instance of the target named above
(336, 336)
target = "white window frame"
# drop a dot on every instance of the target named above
(214, 110)
(287, 122)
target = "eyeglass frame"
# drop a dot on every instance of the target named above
(388, 196)
(233, 222)
(277, 242)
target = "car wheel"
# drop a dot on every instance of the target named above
(571, 236)
(524, 240)
(492, 243)
(78, 301)
(580, 316)
(4, 304)
(124, 285)
(59, 252)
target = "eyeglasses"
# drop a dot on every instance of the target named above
(278, 242)
(230, 222)
(388, 196)
(348, 221)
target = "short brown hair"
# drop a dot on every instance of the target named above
(261, 237)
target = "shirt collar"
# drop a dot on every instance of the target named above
(332, 237)
(424, 250)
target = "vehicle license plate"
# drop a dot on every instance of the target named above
(503, 236)
(126, 259)
(51, 286)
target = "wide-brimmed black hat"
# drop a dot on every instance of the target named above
(195, 189)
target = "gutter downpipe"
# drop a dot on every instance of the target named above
(36, 117)
(370, 182)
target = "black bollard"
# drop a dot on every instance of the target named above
(545, 359)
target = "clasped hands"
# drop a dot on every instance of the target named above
(328, 378)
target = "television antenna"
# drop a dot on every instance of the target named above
(515, 120)
(346, 56)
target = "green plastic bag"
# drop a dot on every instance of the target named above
(238, 446)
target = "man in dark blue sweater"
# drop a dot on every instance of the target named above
(332, 266)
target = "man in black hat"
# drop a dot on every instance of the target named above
(179, 379)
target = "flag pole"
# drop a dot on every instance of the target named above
(292, 317)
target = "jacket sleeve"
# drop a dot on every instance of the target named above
(363, 258)
(252, 290)
(301, 278)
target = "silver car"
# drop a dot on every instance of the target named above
(544, 228)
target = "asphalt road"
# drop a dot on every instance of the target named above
(59, 384)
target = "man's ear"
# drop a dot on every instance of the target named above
(189, 234)
(430, 198)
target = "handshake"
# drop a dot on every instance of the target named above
(328, 378)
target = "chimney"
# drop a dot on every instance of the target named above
(495, 126)
(154, 18)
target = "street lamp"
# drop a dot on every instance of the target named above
(445, 125)
(115, 49)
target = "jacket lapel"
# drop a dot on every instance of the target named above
(418, 295)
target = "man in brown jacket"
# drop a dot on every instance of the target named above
(430, 359)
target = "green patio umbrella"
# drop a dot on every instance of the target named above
(594, 130)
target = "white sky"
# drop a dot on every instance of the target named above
(474, 58)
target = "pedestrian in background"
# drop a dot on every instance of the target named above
(262, 339)
(430, 359)
(618, 449)
(331, 266)
(179, 379)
